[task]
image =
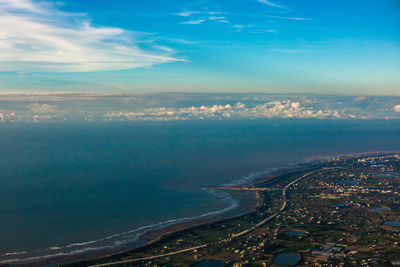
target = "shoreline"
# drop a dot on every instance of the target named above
(248, 203)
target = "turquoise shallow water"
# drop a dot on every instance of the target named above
(70, 188)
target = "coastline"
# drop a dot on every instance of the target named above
(247, 204)
(281, 174)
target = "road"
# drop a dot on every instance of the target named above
(228, 239)
(151, 257)
(279, 211)
(247, 188)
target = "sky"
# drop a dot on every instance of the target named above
(349, 47)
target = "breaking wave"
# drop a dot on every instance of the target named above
(116, 240)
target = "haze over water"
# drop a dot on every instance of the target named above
(64, 186)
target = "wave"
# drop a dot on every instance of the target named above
(42, 257)
(15, 253)
(120, 239)
(80, 244)
(250, 177)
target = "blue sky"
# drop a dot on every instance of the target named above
(277, 46)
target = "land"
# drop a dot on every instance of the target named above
(340, 212)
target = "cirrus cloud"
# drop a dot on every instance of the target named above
(194, 22)
(38, 37)
(269, 3)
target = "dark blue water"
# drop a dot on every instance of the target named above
(208, 263)
(286, 259)
(292, 232)
(384, 175)
(347, 182)
(68, 188)
(377, 209)
(393, 223)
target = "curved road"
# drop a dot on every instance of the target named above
(228, 239)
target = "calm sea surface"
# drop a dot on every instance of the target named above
(70, 188)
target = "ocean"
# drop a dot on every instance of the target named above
(68, 188)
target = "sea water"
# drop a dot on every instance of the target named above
(70, 188)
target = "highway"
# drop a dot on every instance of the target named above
(150, 257)
(279, 211)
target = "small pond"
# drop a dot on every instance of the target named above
(209, 263)
(287, 259)
(293, 232)
(341, 204)
(346, 182)
(392, 223)
(376, 209)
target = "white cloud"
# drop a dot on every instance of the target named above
(190, 13)
(39, 118)
(179, 41)
(273, 109)
(360, 99)
(298, 18)
(289, 18)
(187, 13)
(237, 26)
(216, 18)
(269, 3)
(224, 21)
(9, 117)
(203, 16)
(38, 37)
(182, 106)
(199, 21)
(41, 108)
(262, 31)
(19, 4)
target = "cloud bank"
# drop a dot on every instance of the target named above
(39, 37)
(274, 109)
(185, 106)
